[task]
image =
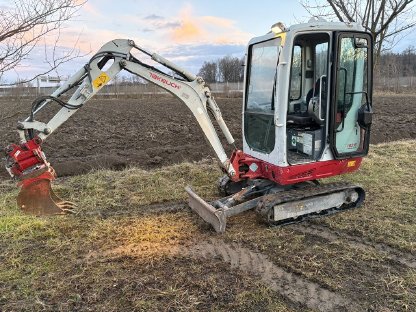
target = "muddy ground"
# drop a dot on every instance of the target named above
(158, 130)
(134, 245)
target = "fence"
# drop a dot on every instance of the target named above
(115, 90)
(388, 84)
(395, 84)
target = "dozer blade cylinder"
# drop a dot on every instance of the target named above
(216, 217)
(38, 199)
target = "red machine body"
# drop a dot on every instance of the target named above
(252, 168)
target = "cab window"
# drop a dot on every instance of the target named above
(259, 109)
(296, 74)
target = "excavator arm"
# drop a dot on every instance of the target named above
(27, 162)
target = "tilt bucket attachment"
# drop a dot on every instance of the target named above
(27, 163)
(37, 198)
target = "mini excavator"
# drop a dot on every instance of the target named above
(307, 114)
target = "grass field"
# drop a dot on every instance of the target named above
(135, 245)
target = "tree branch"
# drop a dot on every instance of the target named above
(23, 26)
(384, 18)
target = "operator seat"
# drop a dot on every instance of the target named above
(304, 119)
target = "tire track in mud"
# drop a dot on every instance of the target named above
(295, 288)
(326, 233)
(153, 208)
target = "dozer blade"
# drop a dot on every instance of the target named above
(215, 217)
(37, 198)
(217, 212)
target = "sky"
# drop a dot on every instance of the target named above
(186, 32)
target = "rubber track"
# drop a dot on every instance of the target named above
(265, 207)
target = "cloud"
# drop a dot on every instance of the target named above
(187, 31)
(37, 63)
(207, 51)
(218, 21)
(5, 7)
(90, 9)
(192, 56)
(173, 24)
(154, 22)
(86, 40)
(206, 29)
(185, 38)
(189, 56)
(153, 17)
(162, 25)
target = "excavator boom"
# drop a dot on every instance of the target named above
(26, 161)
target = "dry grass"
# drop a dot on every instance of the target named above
(389, 213)
(119, 253)
(387, 217)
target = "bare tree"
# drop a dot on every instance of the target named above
(24, 25)
(209, 71)
(386, 19)
(230, 69)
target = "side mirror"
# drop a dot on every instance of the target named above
(360, 42)
(365, 116)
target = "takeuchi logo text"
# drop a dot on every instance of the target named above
(164, 81)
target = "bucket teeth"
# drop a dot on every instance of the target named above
(37, 198)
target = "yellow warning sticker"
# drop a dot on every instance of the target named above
(283, 37)
(101, 80)
(351, 163)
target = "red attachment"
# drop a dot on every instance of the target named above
(46, 173)
(253, 168)
(28, 163)
(26, 158)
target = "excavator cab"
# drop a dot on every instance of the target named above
(308, 95)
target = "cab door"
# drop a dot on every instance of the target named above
(351, 108)
(259, 108)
